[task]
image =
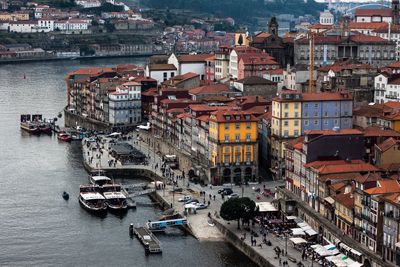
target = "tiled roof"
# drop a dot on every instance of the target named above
(333, 132)
(275, 72)
(385, 29)
(363, 12)
(92, 71)
(234, 116)
(320, 26)
(366, 25)
(336, 39)
(369, 177)
(155, 67)
(346, 200)
(210, 89)
(387, 144)
(340, 166)
(376, 131)
(325, 96)
(255, 80)
(193, 58)
(384, 187)
(257, 59)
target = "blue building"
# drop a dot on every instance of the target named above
(326, 111)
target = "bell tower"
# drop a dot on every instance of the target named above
(273, 26)
(395, 12)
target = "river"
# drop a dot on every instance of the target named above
(39, 228)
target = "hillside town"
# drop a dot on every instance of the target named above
(317, 109)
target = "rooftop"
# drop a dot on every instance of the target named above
(346, 200)
(255, 80)
(384, 187)
(387, 144)
(156, 67)
(210, 89)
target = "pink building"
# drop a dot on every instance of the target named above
(255, 65)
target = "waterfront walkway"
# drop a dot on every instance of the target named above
(198, 223)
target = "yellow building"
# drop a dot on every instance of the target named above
(233, 147)
(285, 125)
(344, 216)
(16, 16)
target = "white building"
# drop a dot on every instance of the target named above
(190, 63)
(221, 70)
(387, 88)
(38, 10)
(125, 105)
(373, 15)
(161, 72)
(72, 25)
(326, 18)
(31, 26)
(46, 25)
(88, 3)
(293, 78)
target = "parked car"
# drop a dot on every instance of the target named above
(225, 191)
(185, 198)
(200, 206)
(192, 201)
(233, 195)
(177, 189)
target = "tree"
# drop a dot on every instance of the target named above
(240, 40)
(238, 208)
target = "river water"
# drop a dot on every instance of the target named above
(39, 228)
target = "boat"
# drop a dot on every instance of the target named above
(93, 202)
(99, 180)
(30, 127)
(65, 195)
(116, 201)
(45, 128)
(63, 136)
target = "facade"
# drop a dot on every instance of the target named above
(256, 86)
(222, 62)
(373, 15)
(387, 152)
(88, 3)
(161, 72)
(391, 226)
(190, 63)
(72, 25)
(255, 65)
(14, 16)
(326, 18)
(387, 88)
(210, 70)
(344, 215)
(235, 55)
(233, 147)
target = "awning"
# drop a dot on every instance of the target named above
(297, 240)
(344, 246)
(311, 232)
(291, 218)
(265, 207)
(355, 264)
(330, 200)
(356, 252)
(302, 224)
(305, 228)
(297, 231)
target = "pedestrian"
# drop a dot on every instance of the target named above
(214, 197)
(280, 262)
(209, 203)
(210, 196)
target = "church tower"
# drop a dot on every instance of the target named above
(273, 26)
(395, 12)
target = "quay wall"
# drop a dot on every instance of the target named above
(73, 120)
(235, 241)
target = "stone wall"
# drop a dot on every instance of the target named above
(234, 240)
(73, 120)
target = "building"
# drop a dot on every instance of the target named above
(222, 62)
(233, 147)
(332, 46)
(391, 226)
(210, 70)
(237, 53)
(161, 72)
(184, 81)
(14, 16)
(72, 25)
(125, 107)
(255, 65)
(387, 88)
(190, 63)
(326, 18)
(256, 86)
(344, 215)
(88, 3)
(199, 93)
(296, 78)
(387, 152)
(295, 113)
(373, 15)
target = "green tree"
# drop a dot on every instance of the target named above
(238, 208)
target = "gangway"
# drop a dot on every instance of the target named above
(134, 187)
(162, 225)
(143, 192)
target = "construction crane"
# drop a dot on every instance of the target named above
(311, 37)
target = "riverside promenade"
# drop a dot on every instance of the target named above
(198, 223)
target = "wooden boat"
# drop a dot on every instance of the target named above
(93, 202)
(62, 136)
(30, 127)
(116, 202)
(45, 128)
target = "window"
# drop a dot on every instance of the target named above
(296, 123)
(237, 126)
(296, 114)
(336, 122)
(226, 137)
(306, 123)
(306, 105)
(248, 157)
(286, 133)
(315, 122)
(237, 149)
(296, 105)
(315, 114)
(306, 114)
(286, 114)
(325, 122)
(248, 125)
(248, 148)
(285, 123)
(316, 105)
(248, 137)
(172, 74)
(237, 137)
(226, 126)
(226, 149)
(286, 106)
(226, 158)
(165, 75)
(296, 132)
(326, 114)
(237, 157)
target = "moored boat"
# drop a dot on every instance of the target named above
(62, 136)
(116, 201)
(93, 202)
(30, 127)
(45, 128)
(100, 180)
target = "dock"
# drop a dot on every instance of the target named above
(148, 239)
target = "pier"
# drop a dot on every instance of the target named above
(148, 239)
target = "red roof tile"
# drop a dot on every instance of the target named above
(363, 12)
(346, 200)
(387, 144)
(384, 187)
(193, 58)
(210, 89)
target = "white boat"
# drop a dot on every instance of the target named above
(116, 201)
(100, 180)
(93, 202)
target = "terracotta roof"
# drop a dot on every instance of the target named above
(255, 80)
(183, 116)
(333, 132)
(175, 110)
(321, 26)
(295, 142)
(376, 131)
(193, 58)
(338, 186)
(205, 118)
(176, 80)
(346, 200)
(145, 79)
(210, 89)
(369, 177)
(275, 72)
(206, 107)
(387, 144)
(338, 176)
(392, 167)
(325, 96)
(366, 25)
(384, 187)
(150, 92)
(340, 166)
(92, 71)
(385, 29)
(155, 67)
(336, 39)
(233, 115)
(257, 59)
(363, 12)
(393, 198)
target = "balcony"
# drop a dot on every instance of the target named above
(368, 218)
(370, 234)
(391, 97)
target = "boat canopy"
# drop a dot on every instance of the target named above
(100, 178)
(92, 196)
(113, 195)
